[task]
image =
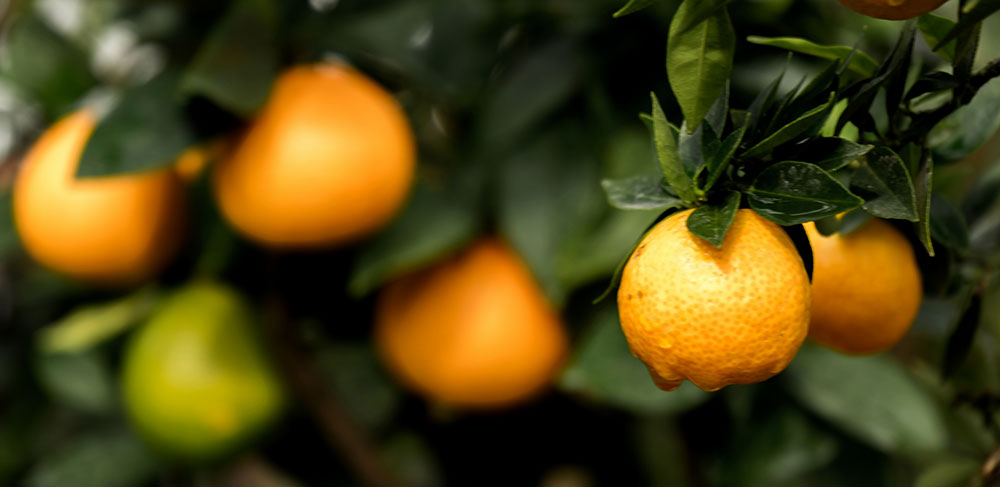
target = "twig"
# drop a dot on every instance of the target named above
(350, 441)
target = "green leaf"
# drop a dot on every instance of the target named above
(602, 368)
(700, 59)
(789, 193)
(694, 149)
(90, 325)
(810, 121)
(643, 192)
(717, 113)
(870, 398)
(949, 472)
(79, 380)
(236, 65)
(411, 460)
(899, 69)
(111, 456)
(717, 164)
(669, 156)
(829, 153)
(430, 226)
(146, 130)
(633, 6)
(884, 182)
(617, 275)
(960, 339)
(923, 183)
(969, 127)
(971, 19)
(934, 28)
(711, 222)
(860, 63)
(8, 234)
(763, 103)
(700, 11)
(948, 225)
(356, 377)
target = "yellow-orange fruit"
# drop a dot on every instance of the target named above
(892, 9)
(112, 230)
(330, 159)
(715, 316)
(866, 288)
(473, 331)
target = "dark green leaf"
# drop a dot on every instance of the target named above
(931, 82)
(829, 153)
(146, 130)
(717, 164)
(236, 64)
(699, 58)
(863, 93)
(789, 193)
(633, 6)
(885, 184)
(969, 127)
(710, 222)
(962, 336)
(923, 182)
(809, 122)
(111, 457)
(947, 224)
(79, 380)
(430, 226)
(949, 472)
(355, 374)
(871, 398)
(642, 192)
(616, 277)
(696, 148)
(934, 28)
(411, 460)
(801, 241)
(860, 62)
(8, 234)
(763, 102)
(853, 220)
(970, 20)
(896, 75)
(717, 113)
(668, 155)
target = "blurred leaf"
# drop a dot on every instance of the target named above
(89, 325)
(643, 192)
(411, 460)
(8, 233)
(861, 63)
(716, 165)
(108, 457)
(237, 63)
(430, 226)
(947, 224)
(934, 28)
(829, 153)
(965, 130)
(961, 338)
(805, 124)
(617, 275)
(79, 380)
(949, 472)
(883, 181)
(44, 64)
(668, 154)
(710, 222)
(662, 450)
(788, 193)
(699, 56)
(146, 130)
(971, 19)
(597, 252)
(870, 398)
(358, 381)
(633, 6)
(603, 368)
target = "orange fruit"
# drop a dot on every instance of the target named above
(866, 288)
(892, 9)
(472, 331)
(113, 230)
(714, 316)
(330, 158)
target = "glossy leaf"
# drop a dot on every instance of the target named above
(669, 156)
(699, 59)
(642, 192)
(711, 222)
(948, 224)
(884, 182)
(829, 153)
(934, 28)
(808, 122)
(860, 63)
(789, 193)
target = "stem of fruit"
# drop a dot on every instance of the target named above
(307, 384)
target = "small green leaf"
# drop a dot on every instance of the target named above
(236, 65)
(961, 338)
(711, 222)
(146, 130)
(884, 182)
(923, 182)
(870, 398)
(669, 156)
(829, 153)
(934, 28)
(948, 225)
(633, 6)
(700, 11)
(789, 193)
(696, 148)
(716, 165)
(88, 326)
(643, 192)
(763, 102)
(699, 59)
(80, 380)
(861, 63)
(810, 121)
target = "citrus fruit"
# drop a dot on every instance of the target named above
(866, 288)
(716, 316)
(892, 9)
(196, 383)
(329, 159)
(115, 230)
(472, 331)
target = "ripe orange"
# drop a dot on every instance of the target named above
(473, 331)
(714, 316)
(329, 159)
(113, 230)
(866, 288)
(892, 9)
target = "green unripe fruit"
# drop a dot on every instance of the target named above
(197, 384)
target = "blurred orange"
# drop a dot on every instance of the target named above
(473, 331)
(329, 159)
(115, 230)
